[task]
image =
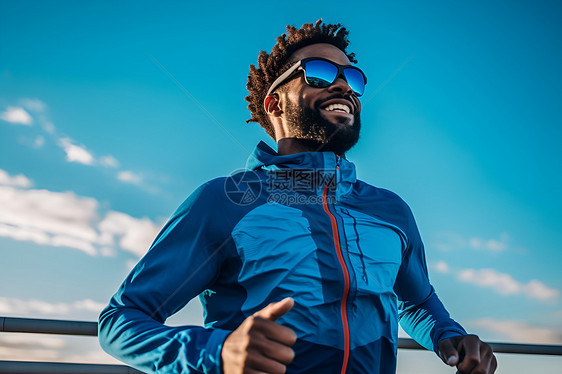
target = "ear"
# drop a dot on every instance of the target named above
(271, 105)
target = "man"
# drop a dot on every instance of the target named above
(300, 266)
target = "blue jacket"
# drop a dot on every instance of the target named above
(299, 225)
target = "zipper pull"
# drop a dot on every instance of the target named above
(337, 173)
(336, 177)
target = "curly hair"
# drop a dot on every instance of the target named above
(272, 65)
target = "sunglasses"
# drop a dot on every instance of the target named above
(321, 73)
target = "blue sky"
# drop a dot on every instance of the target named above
(112, 113)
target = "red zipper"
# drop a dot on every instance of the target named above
(345, 276)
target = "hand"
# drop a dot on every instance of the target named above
(259, 345)
(469, 354)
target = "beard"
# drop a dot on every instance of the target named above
(310, 125)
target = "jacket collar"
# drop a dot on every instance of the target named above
(264, 157)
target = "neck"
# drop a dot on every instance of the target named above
(289, 146)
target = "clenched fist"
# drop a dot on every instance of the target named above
(469, 354)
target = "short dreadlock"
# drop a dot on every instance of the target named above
(272, 65)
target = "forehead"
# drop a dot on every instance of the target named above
(325, 50)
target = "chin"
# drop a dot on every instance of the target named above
(340, 121)
(331, 134)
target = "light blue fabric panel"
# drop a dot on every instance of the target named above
(279, 255)
(375, 250)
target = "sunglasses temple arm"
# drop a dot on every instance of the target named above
(282, 78)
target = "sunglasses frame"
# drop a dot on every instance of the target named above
(300, 65)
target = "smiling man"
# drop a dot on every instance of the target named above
(300, 266)
(309, 116)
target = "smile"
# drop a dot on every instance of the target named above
(339, 108)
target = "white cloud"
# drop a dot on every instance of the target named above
(76, 243)
(27, 341)
(46, 217)
(38, 142)
(138, 180)
(80, 154)
(76, 153)
(35, 142)
(24, 234)
(33, 104)
(493, 245)
(81, 309)
(107, 251)
(521, 332)
(129, 176)
(504, 284)
(134, 235)
(38, 347)
(109, 161)
(442, 267)
(501, 283)
(30, 353)
(15, 181)
(63, 219)
(538, 290)
(47, 126)
(16, 115)
(451, 242)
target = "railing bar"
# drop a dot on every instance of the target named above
(407, 343)
(50, 326)
(529, 349)
(519, 348)
(24, 367)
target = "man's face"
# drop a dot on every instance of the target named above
(308, 111)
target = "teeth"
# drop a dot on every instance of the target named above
(343, 107)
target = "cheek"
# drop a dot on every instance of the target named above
(358, 106)
(301, 96)
(301, 93)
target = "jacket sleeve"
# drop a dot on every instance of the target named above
(421, 313)
(182, 262)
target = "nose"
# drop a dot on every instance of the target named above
(341, 85)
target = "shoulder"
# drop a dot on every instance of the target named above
(206, 198)
(382, 196)
(223, 199)
(387, 206)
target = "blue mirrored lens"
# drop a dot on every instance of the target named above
(356, 80)
(320, 73)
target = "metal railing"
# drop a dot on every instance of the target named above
(81, 328)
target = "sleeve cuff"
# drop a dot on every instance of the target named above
(214, 348)
(446, 335)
